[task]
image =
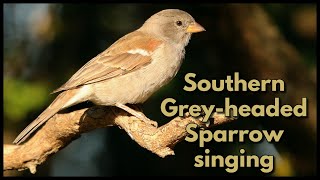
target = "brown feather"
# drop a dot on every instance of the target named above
(54, 107)
(115, 61)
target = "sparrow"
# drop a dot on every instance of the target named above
(129, 71)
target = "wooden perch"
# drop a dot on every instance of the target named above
(62, 129)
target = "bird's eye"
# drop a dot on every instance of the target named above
(179, 23)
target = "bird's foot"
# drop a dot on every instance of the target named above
(137, 114)
(144, 118)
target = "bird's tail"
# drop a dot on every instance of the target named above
(58, 104)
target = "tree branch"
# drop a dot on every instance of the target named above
(62, 129)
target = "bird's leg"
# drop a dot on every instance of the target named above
(137, 107)
(137, 114)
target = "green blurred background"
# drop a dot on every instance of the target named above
(44, 44)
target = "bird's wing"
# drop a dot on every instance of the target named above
(126, 55)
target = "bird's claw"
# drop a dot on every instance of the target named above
(147, 120)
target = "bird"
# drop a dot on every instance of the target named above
(129, 71)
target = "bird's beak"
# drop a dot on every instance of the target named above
(194, 28)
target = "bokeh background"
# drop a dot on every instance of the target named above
(44, 44)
